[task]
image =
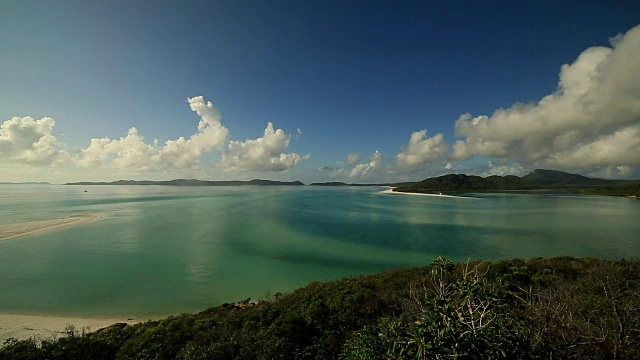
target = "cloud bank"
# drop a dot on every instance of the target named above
(592, 120)
(589, 124)
(131, 151)
(25, 141)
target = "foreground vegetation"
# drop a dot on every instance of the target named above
(556, 308)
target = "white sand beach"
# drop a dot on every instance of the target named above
(391, 192)
(17, 230)
(43, 327)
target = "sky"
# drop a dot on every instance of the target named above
(354, 91)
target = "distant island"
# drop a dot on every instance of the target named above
(193, 182)
(539, 179)
(338, 183)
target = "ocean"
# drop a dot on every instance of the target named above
(160, 250)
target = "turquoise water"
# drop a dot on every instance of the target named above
(165, 250)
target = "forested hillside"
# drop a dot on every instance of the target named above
(539, 179)
(560, 308)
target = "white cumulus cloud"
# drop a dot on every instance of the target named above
(375, 164)
(592, 120)
(267, 153)
(132, 152)
(422, 149)
(24, 140)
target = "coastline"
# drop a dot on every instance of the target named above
(23, 327)
(17, 230)
(391, 192)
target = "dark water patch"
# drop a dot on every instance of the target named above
(324, 260)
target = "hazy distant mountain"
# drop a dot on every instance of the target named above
(192, 182)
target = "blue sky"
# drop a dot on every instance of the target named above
(355, 77)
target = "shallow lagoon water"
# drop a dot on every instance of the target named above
(161, 250)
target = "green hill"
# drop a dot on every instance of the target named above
(542, 177)
(462, 182)
(536, 180)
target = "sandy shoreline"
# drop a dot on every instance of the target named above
(46, 327)
(17, 230)
(391, 192)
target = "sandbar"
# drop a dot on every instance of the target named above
(23, 327)
(17, 230)
(391, 192)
